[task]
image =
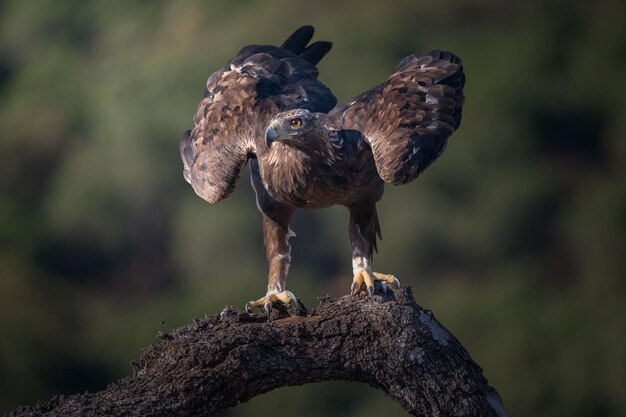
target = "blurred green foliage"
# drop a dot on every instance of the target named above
(515, 238)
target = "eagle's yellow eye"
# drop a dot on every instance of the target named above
(295, 123)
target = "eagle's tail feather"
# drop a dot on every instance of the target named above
(298, 39)
(297, 43)
(316, 51)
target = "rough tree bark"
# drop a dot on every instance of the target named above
(387, 341)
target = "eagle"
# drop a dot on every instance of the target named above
(267, 107)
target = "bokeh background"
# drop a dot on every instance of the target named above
(515, 238)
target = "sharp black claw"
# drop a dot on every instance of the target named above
(293, 297)
(247, 308)
(370, 290)
(268, 309)
(353, 288)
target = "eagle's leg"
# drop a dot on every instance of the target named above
(363, 230)
(278, 251)
(276, 234)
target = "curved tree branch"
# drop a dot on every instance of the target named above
(387, 341)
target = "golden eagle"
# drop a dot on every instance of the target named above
(267, 106)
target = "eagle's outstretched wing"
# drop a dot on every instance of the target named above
(408, 119)
(239, 100)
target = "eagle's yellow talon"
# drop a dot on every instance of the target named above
(368, 278)
(284, 297)
(387, 278)
(357, 282)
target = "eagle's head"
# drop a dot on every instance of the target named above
(295, 128)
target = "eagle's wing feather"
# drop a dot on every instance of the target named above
(408, 119)
(240, 99)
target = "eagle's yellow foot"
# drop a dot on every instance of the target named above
(272, 296)
(367, 277)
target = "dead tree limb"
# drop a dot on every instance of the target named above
(387, 341)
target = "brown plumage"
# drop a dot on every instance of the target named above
(267, 106)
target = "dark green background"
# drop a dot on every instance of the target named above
(515, 237)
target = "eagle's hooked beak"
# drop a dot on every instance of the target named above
(271, 133)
